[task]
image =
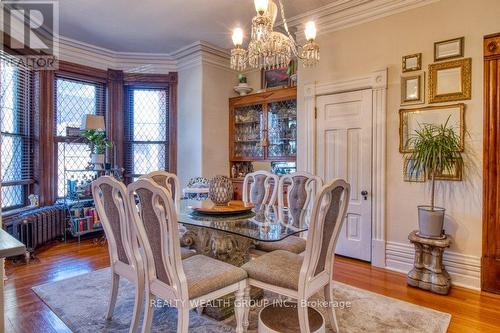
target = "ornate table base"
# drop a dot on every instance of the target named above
(224, 246)
(428, 272)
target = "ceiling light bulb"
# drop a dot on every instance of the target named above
(310, 30)
(261, 6)
(237, 37)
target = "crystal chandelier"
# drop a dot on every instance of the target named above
(271, 49)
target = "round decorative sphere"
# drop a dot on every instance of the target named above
(220, 190)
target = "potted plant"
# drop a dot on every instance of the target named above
(436, 150)
(242, 88)
(97, 144)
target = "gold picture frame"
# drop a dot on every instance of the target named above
(449, 49)
(412, 89)
(411, 119)
(417, 176)
(454, 175)
(412, 62)
(450, 81)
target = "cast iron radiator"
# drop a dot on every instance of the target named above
(38, 226)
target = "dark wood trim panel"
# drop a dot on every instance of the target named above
(490, 263)
(116, 113)
(172, 127)
(82, 72)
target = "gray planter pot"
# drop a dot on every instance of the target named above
(98, 161)
(430, 222)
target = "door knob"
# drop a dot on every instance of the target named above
(364, 193)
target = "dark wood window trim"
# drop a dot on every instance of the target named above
(167, 81)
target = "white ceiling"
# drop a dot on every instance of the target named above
(161, 26)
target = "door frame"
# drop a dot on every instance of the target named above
(306, 143)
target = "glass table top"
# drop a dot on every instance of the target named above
(263, 223)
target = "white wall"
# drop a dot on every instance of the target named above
(379, 44)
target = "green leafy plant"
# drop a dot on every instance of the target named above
(436, 149)
(97, 141)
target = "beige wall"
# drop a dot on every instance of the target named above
(218, 86)
(380, 44)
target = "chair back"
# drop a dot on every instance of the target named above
(170, 182)
(110, 198)
(301, 190)
(328, 214)
(155, 220)
(257, 188)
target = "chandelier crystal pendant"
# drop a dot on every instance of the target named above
(271, 49)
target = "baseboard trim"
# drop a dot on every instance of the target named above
(465, 270)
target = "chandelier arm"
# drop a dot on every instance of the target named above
(296, 47)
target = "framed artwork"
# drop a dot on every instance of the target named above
(410, 173)
(455, 174)
(450, 81)
(449, 49)
(412, 88)
(412, 62)
(277, 77)
(411, 119)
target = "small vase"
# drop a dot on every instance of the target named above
(220, 190)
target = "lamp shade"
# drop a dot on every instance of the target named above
(93, 122)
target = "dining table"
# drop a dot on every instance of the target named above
(231, 237)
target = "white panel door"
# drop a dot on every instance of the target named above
(344, 143)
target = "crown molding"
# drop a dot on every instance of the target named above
(342, 14)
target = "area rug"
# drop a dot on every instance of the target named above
(81, 302)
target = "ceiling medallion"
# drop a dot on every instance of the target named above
(271, 49)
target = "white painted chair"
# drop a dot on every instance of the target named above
(170, 182)
(257, 188)
(300, 277)
(183, 284)
(110, 197)
(301, 189)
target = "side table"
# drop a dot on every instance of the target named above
(428, 272)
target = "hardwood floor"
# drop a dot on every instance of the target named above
(471, 311)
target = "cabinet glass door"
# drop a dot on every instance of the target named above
(282, 129)
(248, 128)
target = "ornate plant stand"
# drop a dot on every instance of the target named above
(428, 272)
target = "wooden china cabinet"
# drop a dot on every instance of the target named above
(262, 128)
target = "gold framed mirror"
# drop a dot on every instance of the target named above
(412, 62)
(455, 174)
(449, 49)
(410, 120)
(412, 89)
(450, 81)
(410, 174)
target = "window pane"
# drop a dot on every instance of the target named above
(150, 115)
(12, 167)
(147, 158)
(74, 156)
(12, 196)
(10, 117)
(73, 100)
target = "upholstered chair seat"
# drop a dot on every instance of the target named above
(205, 275)
(292, 244)
(279, 268)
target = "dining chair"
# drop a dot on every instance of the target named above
(184, 284)
(257, 187)
(110, 198)
(300, 277)
(170, 182)
(301, 189)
